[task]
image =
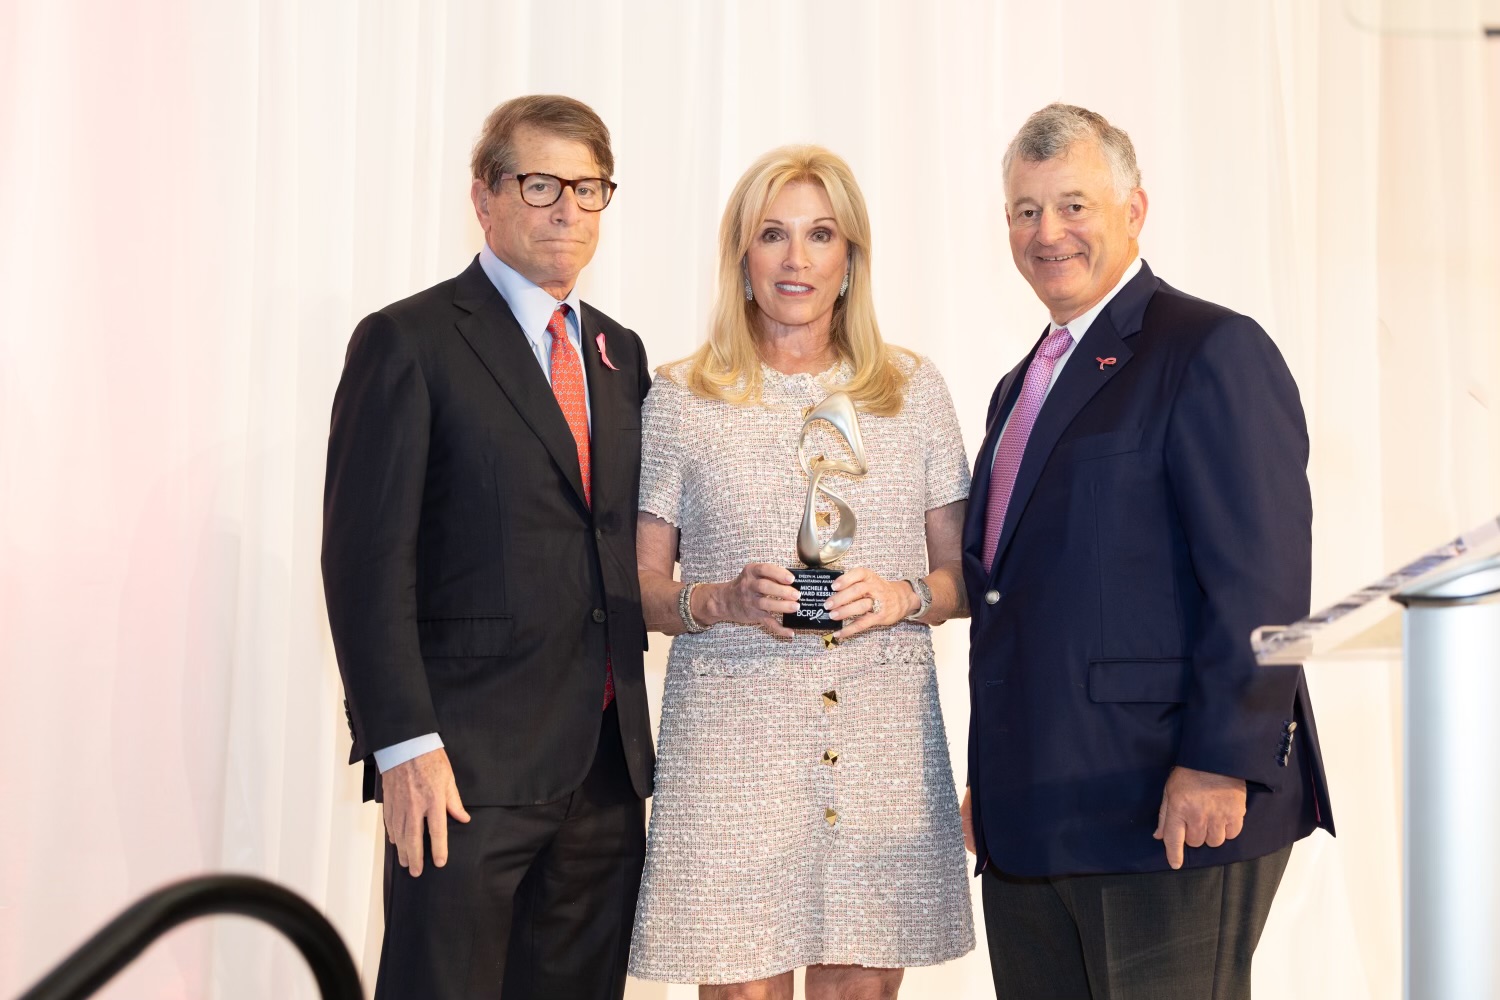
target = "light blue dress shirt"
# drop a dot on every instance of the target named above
(532, 307)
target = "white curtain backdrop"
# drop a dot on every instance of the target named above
(199, 200)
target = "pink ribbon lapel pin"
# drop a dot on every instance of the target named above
(604, 355)
(1102, 361)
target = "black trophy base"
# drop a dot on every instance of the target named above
(815, 586)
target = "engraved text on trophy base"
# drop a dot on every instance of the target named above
(815, 586)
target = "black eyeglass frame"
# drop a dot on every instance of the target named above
(605, 185)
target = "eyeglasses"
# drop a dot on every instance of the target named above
(542, 190)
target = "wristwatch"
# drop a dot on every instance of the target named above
(924, 593)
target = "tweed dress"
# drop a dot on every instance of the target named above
(805, 810)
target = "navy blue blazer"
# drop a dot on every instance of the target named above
(1161, 512)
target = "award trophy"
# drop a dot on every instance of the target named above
(815, 582)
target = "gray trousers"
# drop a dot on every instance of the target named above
(1183, 935)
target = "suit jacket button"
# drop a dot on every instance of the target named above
(599, 615)
(992, 597)
(598, 535)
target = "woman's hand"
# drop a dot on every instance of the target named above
(865, 600)
(759, 596)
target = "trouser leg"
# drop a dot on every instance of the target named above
(571, 935)
(1033, 942)
(1183, 935)
(447, 930)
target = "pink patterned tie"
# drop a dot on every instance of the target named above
(1013, 439)
(567, 386)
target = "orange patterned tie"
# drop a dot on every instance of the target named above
(567, 386)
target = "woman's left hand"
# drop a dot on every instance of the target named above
(864, 600)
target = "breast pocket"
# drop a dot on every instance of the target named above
(1091, 446)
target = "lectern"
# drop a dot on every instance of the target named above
(1449, 637)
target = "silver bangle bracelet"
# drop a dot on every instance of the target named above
(924, 595)
(685, 608)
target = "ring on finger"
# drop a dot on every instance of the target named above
(874, 605)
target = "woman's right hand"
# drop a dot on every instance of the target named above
(759, 596)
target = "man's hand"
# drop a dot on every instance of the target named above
(420, 791)
(1199, 807)
(966, 813)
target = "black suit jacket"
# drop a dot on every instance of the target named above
(471, 591)
(1160, 513)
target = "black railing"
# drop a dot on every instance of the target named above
(119, 942)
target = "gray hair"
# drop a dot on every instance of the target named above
(1054, 130)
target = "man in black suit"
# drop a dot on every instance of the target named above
(480, 571)
(1140, 504)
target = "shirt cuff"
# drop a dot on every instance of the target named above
(389, 757)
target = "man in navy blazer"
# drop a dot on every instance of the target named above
(1140, 504)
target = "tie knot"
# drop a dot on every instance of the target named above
(558, 323)
(1057, 342)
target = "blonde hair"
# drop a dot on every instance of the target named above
(727, 366)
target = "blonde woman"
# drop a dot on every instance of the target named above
(804, 812)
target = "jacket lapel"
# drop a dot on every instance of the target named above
(493, 334)
(1082, 377)
(979, 490)
(606, 404)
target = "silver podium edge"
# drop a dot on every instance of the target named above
(1448, 633)
(1451, 871)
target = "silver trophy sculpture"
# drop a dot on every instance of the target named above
(815, 582)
